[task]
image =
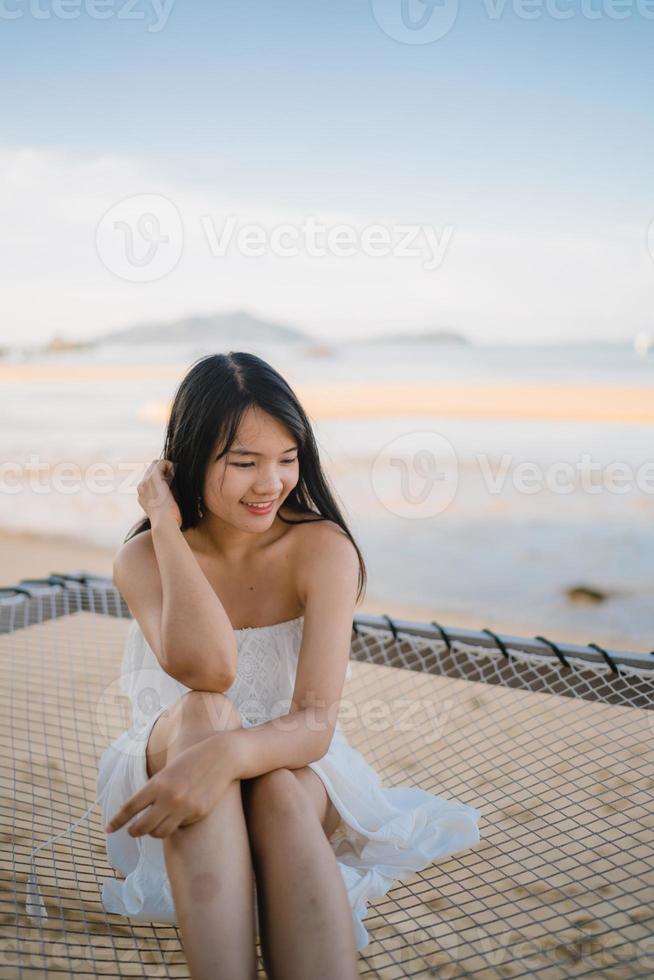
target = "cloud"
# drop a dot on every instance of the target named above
(493, 282)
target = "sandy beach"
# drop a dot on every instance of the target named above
(24, 556)
(118, 411)
(368, 399)
(537, 401)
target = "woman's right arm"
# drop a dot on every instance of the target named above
(180, 615)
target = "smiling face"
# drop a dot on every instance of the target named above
(266, 474)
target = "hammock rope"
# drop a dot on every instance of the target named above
(552, 739)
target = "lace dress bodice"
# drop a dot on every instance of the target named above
(265, 674)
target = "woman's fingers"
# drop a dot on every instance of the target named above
(164, 829)
(133, 805)
(146, 824)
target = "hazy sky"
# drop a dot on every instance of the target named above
(522, 139)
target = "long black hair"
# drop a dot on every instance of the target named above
(206, 411)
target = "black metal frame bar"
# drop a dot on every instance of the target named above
(85, 584)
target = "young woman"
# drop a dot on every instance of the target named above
(249, 805)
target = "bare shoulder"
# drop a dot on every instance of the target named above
(136, 576)
(133, 557)
(322, 547)
(319, 532)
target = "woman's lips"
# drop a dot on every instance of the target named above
(259, 510)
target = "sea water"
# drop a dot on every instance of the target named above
(497, 551)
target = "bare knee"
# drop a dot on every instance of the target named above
(208, 709)
(272, 798)
(194, 717)
(198, 715)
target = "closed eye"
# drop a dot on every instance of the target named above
(242, 465)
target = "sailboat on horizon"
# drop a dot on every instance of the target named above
(643, 342)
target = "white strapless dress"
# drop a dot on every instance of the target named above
(386, 834)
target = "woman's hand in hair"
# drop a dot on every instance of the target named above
(154, 493)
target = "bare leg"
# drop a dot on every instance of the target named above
(209, 863)
(304, 912)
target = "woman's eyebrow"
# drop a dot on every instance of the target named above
(250, 452)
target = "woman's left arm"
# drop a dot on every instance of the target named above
(328, 581)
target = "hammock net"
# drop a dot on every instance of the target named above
(552, 743)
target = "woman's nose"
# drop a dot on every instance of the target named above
(272, 490)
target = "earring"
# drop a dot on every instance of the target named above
(200, 511)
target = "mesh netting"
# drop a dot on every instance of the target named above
(553, 746)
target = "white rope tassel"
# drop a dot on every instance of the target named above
(34, 904)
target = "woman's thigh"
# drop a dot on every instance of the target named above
(313, 785)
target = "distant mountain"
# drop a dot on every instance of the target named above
(428, 337)
(213, 329)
